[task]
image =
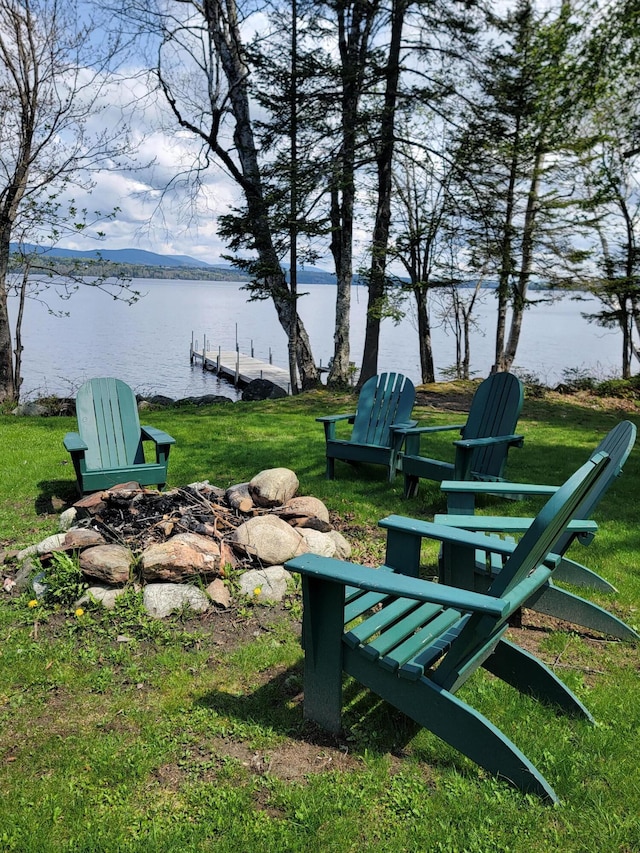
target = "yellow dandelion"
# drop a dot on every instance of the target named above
(79, 612)
(33, 603)
(257, 591)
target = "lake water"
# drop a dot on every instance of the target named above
(147, 344)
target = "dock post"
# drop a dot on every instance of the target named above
(251, 347)
(191, 350)
(270, 356)
(237, 367)
(218, 360)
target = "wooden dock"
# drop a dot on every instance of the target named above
(238, 368)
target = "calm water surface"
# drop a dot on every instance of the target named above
(147, 344)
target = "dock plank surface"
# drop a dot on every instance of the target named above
(241, 369)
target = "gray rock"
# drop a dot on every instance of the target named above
(51, 543)
(23, 575)
(270, 539)
(104, 595)
(29, 551)
(263, 389)
(273, 487)
(31, 410)
(265, 584)
(305, 505)
(67, 519)
(162, 599)
(318, 543)
(82, 537)
(343, 548)
(160, 400)
(108, 563)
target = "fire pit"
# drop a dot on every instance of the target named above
(195, 534)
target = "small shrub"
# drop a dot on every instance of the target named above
(533, 385)
(576, 379)
(64, 580)
(454, 372)
(625, 389)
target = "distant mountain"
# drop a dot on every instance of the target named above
(118, 256)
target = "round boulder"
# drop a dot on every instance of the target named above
(270, 539)
(273, 487)
(318, 543)
(265, 584)
(161, 599)
(108, 563)
(262, 389)
(343, 548)
(306, 506)
(181, 557)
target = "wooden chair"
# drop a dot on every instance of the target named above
(475, 570)
(415, 643)
(487, 435)
(383, 411)
(107, 449)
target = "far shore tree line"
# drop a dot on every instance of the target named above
(455, 141)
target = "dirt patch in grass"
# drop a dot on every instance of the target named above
(291, 761)
(447, 396)
(582, 650)
(457, 396)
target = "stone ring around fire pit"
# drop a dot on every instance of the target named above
(176, 542)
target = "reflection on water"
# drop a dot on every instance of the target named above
(147, 344)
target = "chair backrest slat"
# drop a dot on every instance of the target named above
(384, 400)
(494, 411)
(108, 423)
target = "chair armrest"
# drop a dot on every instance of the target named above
(332, 419)
(403, 428)
(499, 488)
(443, 533)
(583, 528)
(425, 429)
(398, 433)
(73, 443)
(389, 583)
(329, 423)
(487, 442)
(156, 435)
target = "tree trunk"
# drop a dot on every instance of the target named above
(380, 242)
(7, 387)
(353, 38)
(427, 370)
(526, 263)
(225, 34)
(341, 249)
(506, 259)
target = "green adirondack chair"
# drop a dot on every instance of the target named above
(474, 570)
(487, 435)
(415, 643)
(107, 449)
(382, 413)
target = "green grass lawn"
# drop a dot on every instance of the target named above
(121, 733)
